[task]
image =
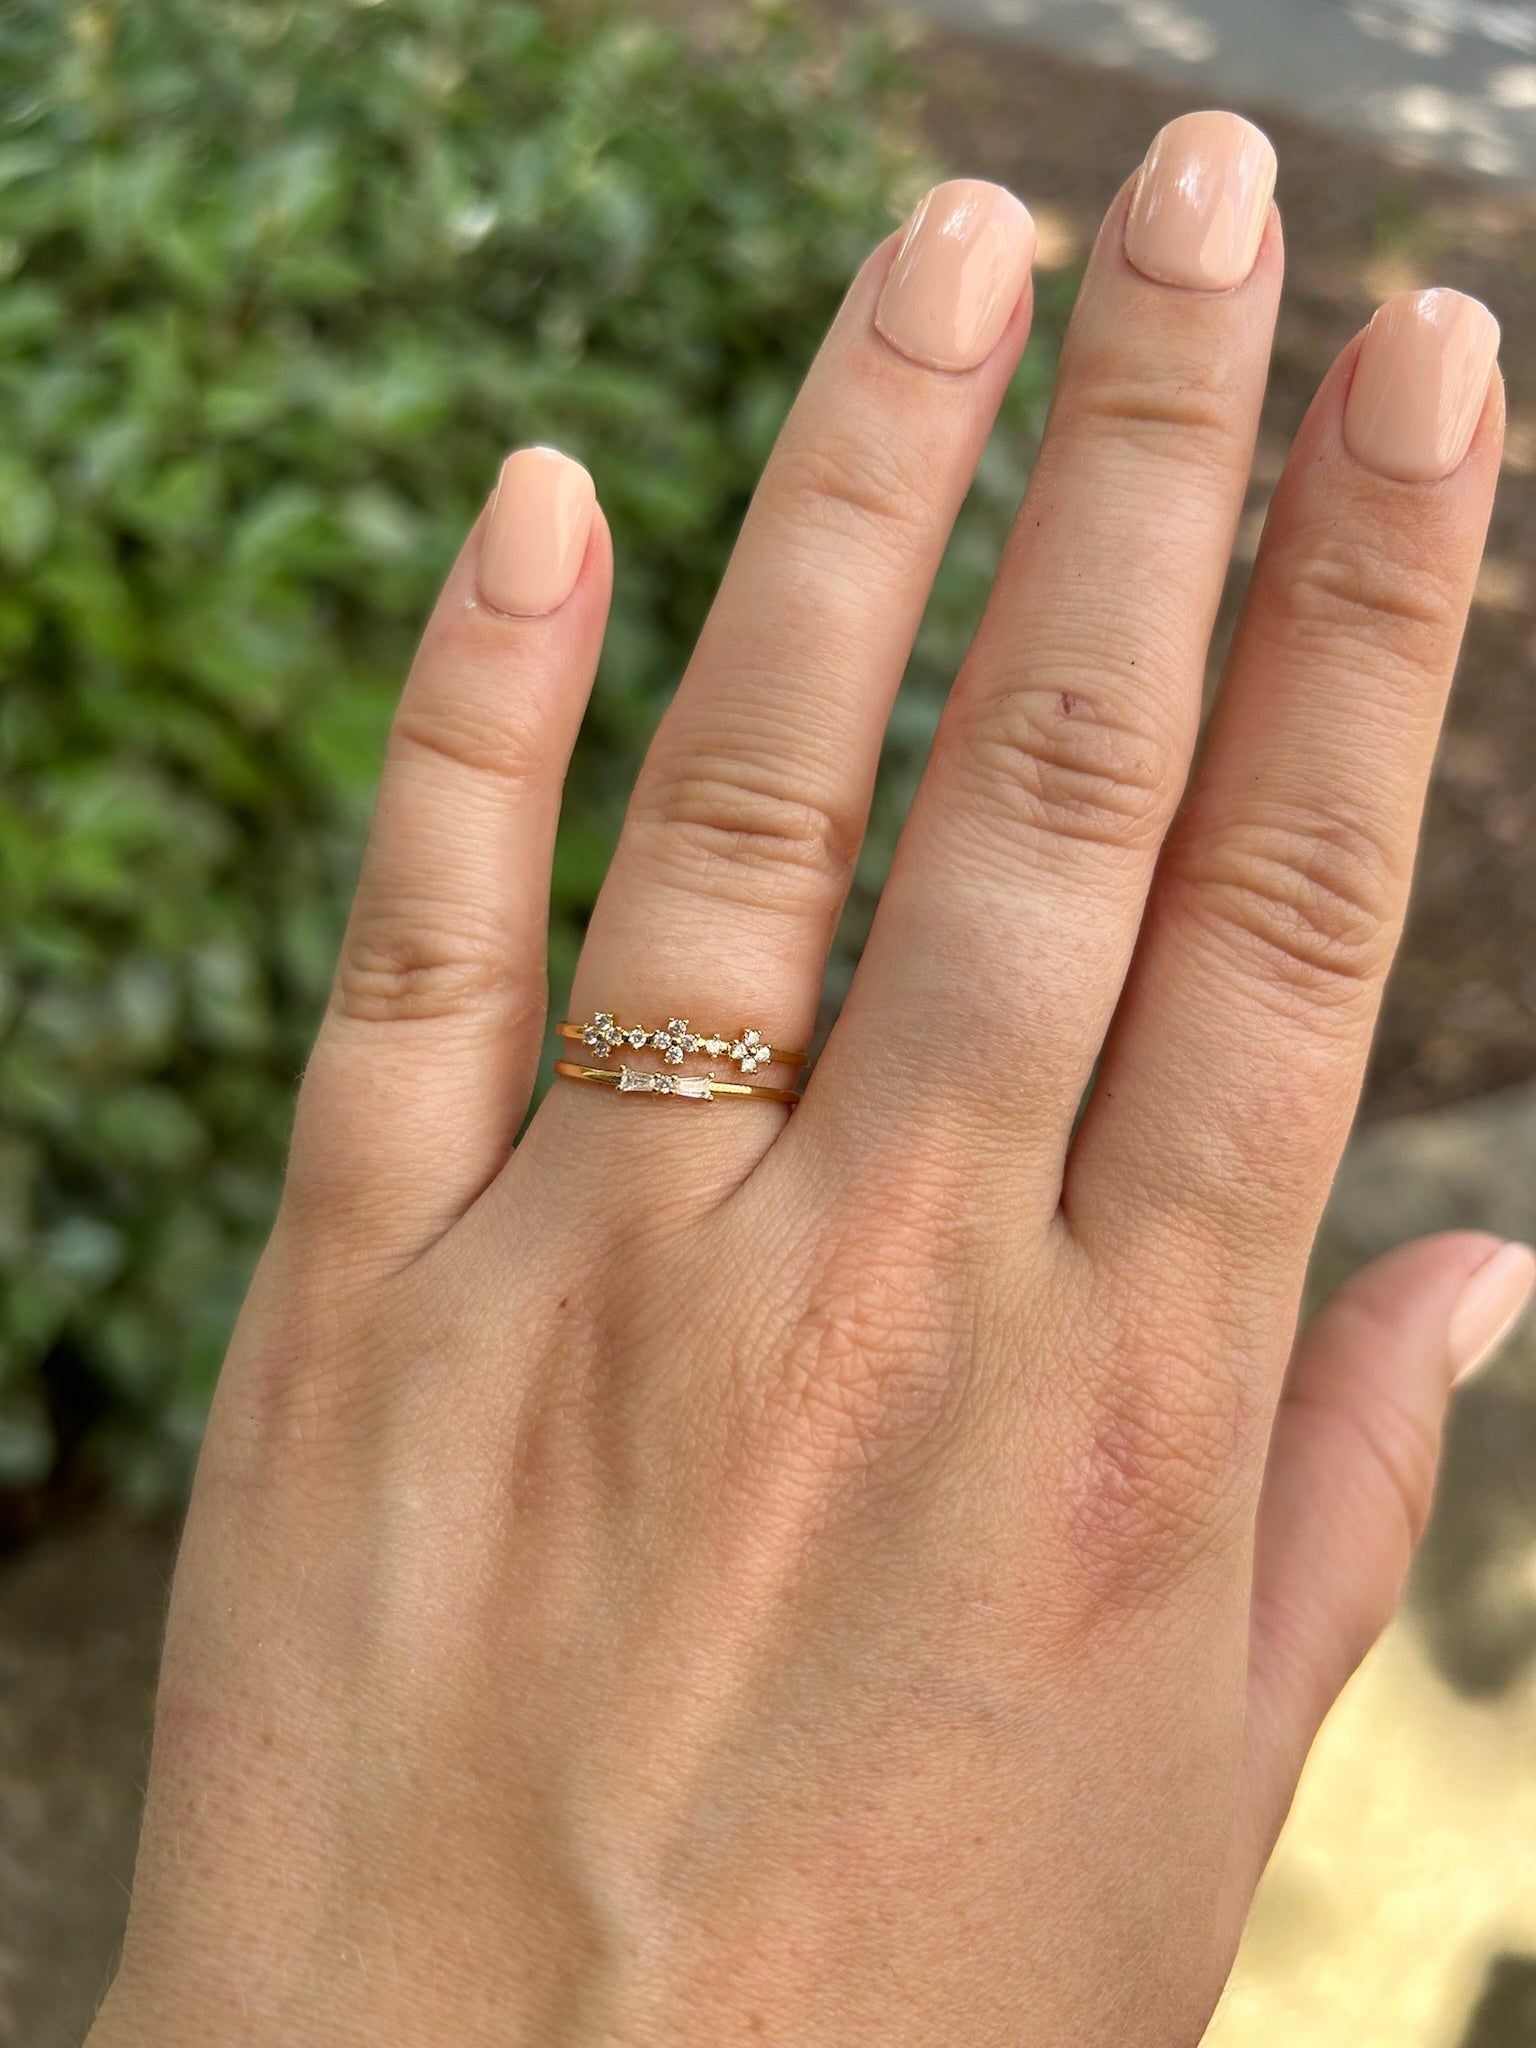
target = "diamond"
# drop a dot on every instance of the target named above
(638, 1037)
(750, 1052)
(631, 1082)
(602, 1034)
(714, 1047)
(676, 1041)
(664, 1084)
(699, 1086)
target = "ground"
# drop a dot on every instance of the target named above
(1451, 79)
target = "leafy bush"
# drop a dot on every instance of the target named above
(280, 285)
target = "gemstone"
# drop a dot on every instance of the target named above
(602, 1034)
(696, 1085)
(664, 1084)
(714, 1047)
(638, 1037)
(633, 1083)
(751, 1053)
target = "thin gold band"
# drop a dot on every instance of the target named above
(694, 1087)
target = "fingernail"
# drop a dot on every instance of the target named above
(1420, 385)
(957, 276)
(1490, 1305)
(1201, 203)
(536, 535)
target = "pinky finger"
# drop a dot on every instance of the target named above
(425, 1062)
(1350, 1479)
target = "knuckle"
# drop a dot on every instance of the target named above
(736, 826)
(1183, 414)
(304, 1379)
(857, 488)
(1153, 1490)
(454, 732)
(1357, 590)
(1069, 765)
(1310, 900)
(403, 966)
(866, 1361)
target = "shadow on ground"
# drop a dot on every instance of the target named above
(1506, 2012)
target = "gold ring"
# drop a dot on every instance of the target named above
(695, 1087)
(748, 1048)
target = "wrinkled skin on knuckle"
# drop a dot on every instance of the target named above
(1158, 1456)
(855, 484)
(736, 829)
(1255, 1183)
(408, 965)
(1194, 423)
(1308, 905)
(1190, 398)
(870, 1356)
(406, 1369)
(1064, 764)
(318, 1373)
(478, 732)
(1361, 594)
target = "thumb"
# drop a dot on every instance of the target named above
(1350, 1480)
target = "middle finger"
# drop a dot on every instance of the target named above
(1013, 903)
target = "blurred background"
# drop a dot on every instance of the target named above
(278, 286)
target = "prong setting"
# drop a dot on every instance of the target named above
(750, 1051)
(637, 1081)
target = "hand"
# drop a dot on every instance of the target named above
(864, 1573)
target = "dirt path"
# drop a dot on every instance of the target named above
(1453, 80)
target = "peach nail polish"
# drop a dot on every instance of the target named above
(1491, 1304)
(1420, 385)
(537, 532)
(1198, 215)
(957, 276)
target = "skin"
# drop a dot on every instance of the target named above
(870, 1575)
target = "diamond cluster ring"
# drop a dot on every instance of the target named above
(748, 1048)
(603, 1036)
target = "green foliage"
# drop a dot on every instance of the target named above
(278, 285)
